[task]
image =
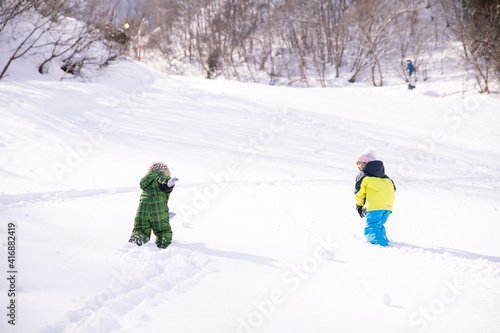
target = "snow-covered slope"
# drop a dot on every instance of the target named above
(266, 238)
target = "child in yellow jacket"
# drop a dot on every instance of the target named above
(374, 193)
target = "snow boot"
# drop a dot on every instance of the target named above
(138, 239)
(162, 242)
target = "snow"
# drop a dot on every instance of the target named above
(266, 238)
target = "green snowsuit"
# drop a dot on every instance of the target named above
(152, 212)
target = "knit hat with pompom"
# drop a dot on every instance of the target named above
(367, 156)
(159, 166)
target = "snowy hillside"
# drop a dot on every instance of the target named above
(266, 238)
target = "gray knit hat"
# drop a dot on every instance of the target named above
(367, 156)
(159, 166)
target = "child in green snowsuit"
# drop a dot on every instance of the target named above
(152, 213)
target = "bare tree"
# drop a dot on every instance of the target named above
(56, 29)
(414, 31)
(11, 9)
(337, 32)
(483, 24)
(23, 28)
(476, 25)
(370, 32)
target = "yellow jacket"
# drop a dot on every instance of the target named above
(373, 188)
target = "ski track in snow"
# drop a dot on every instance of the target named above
(147, 277)
(14, 200)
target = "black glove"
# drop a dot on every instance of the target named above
(165, 188)
(361, 211)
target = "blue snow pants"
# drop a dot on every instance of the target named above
(375, 230)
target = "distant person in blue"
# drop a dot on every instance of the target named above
(409, 67)
(374, 193)
(411, 70)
